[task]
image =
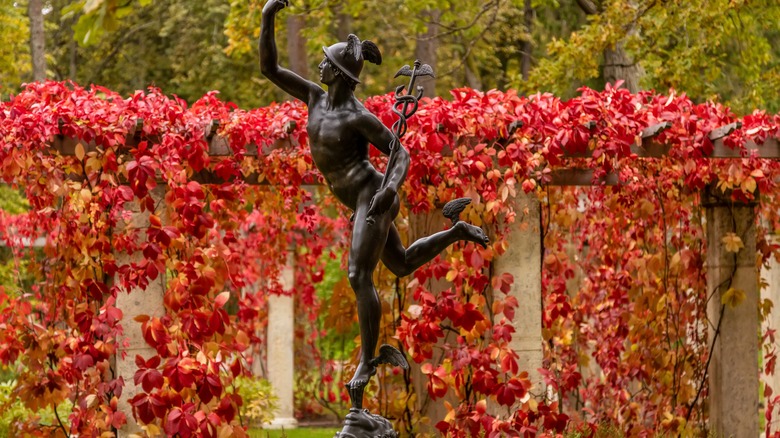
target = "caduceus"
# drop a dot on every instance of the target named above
(406, 105)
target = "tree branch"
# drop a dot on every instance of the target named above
(588, 7)
(116, 48)
(453, 29)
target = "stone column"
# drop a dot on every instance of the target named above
(423, 225)
(772, 292)
(137, 302)
(281, 341)
(733, 372)
(523, 259)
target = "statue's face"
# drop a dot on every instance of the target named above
(327, 72)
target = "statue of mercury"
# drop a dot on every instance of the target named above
(340, 130)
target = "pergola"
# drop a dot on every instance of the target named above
(733, 376)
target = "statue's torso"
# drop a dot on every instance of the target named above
(339, 150)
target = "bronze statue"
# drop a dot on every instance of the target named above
(340, 130)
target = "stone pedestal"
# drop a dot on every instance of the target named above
(523, 259)
(281, 341)
(137, 302)
(734, 370)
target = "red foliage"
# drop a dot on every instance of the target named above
(212, 241)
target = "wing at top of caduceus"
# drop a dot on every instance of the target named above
(423, 70)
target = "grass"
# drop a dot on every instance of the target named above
(303, 432)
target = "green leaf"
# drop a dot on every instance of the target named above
(733, 297)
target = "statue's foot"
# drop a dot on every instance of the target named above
(363, 374)
(472, 233)
(359, 381)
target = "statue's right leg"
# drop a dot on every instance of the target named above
(368, 239)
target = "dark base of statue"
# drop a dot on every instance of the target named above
(362, 424)
(359, 422)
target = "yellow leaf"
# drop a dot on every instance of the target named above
(732, 242)
(80, 152)
(225, 432)
(675, 262)
(655, 264)
(733, 297)
(93, 164)
(151, 429)
(661, 305)
(749, 185)
(86, 194)
(91, 399)
(451, 275)
(450, 413)
(242, 338)
(765, 308)
(504, 192)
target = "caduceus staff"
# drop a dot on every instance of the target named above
(405, 106)
(406, 103)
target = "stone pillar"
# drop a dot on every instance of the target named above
(734, 370)
(137, 302)
(423, 225)
(523, 259)
(772, 292)
(281, 340)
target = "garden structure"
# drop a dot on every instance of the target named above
(158, 216)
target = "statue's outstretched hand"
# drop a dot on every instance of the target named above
(274, 6)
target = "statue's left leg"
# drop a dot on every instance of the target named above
(403, 261)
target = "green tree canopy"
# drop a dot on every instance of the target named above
(14, 45)
(720, 49)
(709, 49)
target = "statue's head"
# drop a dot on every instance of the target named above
(347, 58)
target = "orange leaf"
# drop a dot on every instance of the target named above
(732, 242)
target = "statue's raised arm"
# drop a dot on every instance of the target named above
(287, 80)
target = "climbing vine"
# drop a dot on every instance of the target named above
(624, 290)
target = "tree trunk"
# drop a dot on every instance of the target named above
(73, 61)
(37, 39)
(473, 79)
(528, 19)
(296, 45)
(618, 65)
(426, 50)
(344, 26)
